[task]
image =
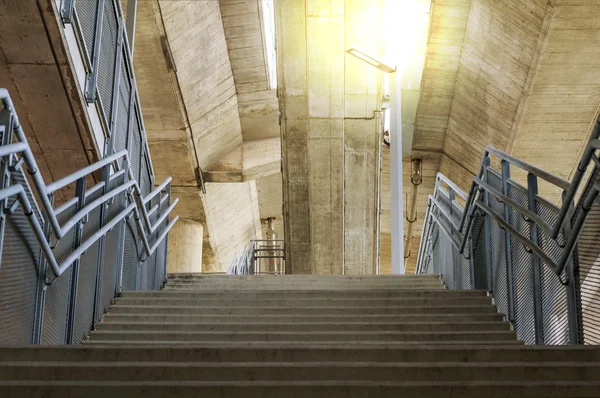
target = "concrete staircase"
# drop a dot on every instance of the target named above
(301, 336)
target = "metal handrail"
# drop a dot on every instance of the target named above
(569, 189)
(513, 216)
(553, 231)
(45, 191)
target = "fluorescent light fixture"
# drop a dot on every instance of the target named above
(371, 60)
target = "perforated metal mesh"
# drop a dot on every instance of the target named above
(112, 250)
(18, 280)
(589, 276)
(121, 128)
(57, 295)
(479, 253)
(88, 270)
(145, 179)
(523, 280)
(554, 294)
(436, 250)
(463, 266)
(86, 16)
(106, 66)
(131, 257)
(498, 257)
(136, 147)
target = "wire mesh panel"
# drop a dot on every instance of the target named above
(463, 266)
(436, 249)
(523, 278)
(57, 294)
(554, 293)
(86, 16)
(131, 257)
(120, 132)
(145, 178)
(112, 249)
(88, 270)
(108, 51)
(446, 262)
(135, 149)
(498, 258)
(479, 253)
(18, 280)
(589, 276)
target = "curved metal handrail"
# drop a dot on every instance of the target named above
(138, 205)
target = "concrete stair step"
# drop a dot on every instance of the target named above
(213, 336)
(194, 287)
(278, 294)
(305, 302)
(288, 318)
(321, 310)
(314, 389)
(279, 352)
(298, 371)
(299, 344)
(296, 277)
(308, 282)
(298, 327)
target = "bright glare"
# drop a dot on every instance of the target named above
(407, 27)
(268, 21)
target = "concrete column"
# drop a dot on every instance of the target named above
(185, 246)
(329, 139)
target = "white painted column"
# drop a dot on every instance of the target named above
(396, 172)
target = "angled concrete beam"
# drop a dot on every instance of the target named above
(247, 162)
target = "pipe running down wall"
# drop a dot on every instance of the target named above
(416, 179)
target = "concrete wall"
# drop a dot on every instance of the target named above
(185, 247)
(36, 68)
(233, 220)
(197, 41)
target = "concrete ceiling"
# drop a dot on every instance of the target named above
(202, 79)
(34, 68)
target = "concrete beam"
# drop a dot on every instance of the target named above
(249, 161)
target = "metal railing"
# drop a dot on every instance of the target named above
(525, 250)
(60, 267)
(242, 265)
(262, 256)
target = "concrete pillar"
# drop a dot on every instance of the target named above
(330, 137)
(185, 246)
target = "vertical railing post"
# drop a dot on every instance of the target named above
(131, 19)
(532, 189)
(122, 229)
(6, 128)
(507, 244)
(166, 241)
(456, 277)
(102, 242)
(116, 84)
(571, 288)
(66, 11)
(80, 194)
(42, 286)
(92, 77)
(488, 229)
(471, 260)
